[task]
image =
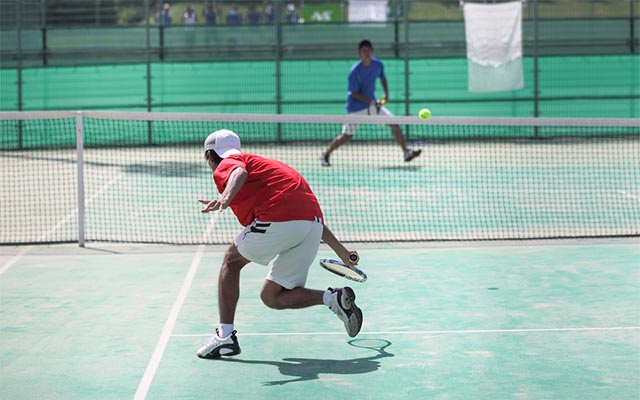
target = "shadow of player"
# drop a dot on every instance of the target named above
(306, 369)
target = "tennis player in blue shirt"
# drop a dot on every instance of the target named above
(362, 101)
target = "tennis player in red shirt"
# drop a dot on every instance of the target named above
(282, 220)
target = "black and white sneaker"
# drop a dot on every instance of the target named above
(324, 160)
(344, 306)
(215, 346)
(410, 154)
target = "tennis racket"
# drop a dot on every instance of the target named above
(352, 273)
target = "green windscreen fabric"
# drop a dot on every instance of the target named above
(569, 86)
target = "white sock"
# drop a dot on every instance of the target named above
(327, 298)
(225, 330)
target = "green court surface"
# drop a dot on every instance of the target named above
(499, 320)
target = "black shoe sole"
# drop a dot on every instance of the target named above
(358, 313)
(215, 355)
(413, 155)
(348, 297)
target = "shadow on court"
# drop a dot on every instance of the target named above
(151, 167)
(307, 369)
(408, 168)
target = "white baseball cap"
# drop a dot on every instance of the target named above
(224, 142)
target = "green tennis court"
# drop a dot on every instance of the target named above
(502, 262)
(460, 319)
(523, 320)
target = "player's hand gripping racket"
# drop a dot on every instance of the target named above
(376, 106)
(352, 273)
(380, 103)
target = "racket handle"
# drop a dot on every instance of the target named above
(353, 257)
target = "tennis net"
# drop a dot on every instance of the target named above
(137, 177)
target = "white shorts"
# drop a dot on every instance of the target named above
(350, 129)
(295, 243)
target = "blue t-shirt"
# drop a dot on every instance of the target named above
(363, 80)
(234, 18)
(210, 17)
(254, 18)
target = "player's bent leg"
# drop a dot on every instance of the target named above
(409, 154)
(335, 143)
(228, 294)
(344, 306)
(277, 297)
(229, 283)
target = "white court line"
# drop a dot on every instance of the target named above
(15, 259)
(213, 220)
(628, 195)
(152, 367)
(434, 332)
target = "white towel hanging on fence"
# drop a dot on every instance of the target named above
(494, 46)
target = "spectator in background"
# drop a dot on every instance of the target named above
(233, 16)
(210, 14)
(189, 20)
(268, 13)
(254, 16)
(292, 19)
(164, 17)
(292, 16)
(189, 17)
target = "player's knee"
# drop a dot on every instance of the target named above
(346, 137)
(271, 301)
(233, 262)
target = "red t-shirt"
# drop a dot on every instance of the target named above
(273, 191)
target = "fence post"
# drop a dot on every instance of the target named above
(536, 109)
(43, 28)
(405, 14)
(147, 38)
(19, 66)
(632, 30)
(161, 27)
(278, 27)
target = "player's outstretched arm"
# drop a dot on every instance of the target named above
(348, 257)
(234, 184)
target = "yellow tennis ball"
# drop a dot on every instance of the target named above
(424, 114)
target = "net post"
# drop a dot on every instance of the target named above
(80, 172)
